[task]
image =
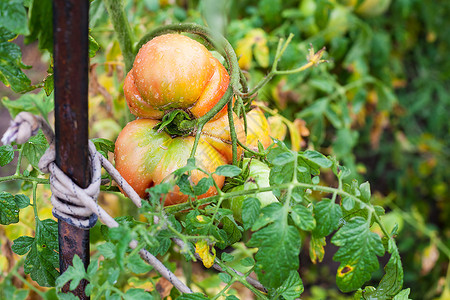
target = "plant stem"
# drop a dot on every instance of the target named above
(183, 206)
(36, 216)
(196, 141)
(25, 178)
(29, 285)
(250, 150)
(122, 28)
(241, 279)
(232, 133)
(19, 160)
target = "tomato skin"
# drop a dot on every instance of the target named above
(173, 71)
(145, 157)
(258, 129)
(258, 178)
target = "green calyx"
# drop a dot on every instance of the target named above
(176, 123)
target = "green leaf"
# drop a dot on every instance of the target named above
(42, 260)
(250, 211)
(9, 211)
(365, 191)
(226, 257)
(203, 186)
(92, 270)
(22, 245)
(303, 218)
(317, 158)
(11, 64)
(283, 172)
(103, 146)
(194, 296)
(33, 103)
(328, 215)
(292, 288)
(137, 265)
(359, 248)
(93, 46)
(122, 236)
(141, 294)
(247, 262)
(74, 273)
(276, 240)
(6, 155)
(348, 203)
(392, 281)
(107, 250)
(22, 201)
(41, 24)
(35, 148)
(13, 16)
(185, 185)
(403, 295)
(113, 275)
(233, 232)
(283, 158)
(190, 165)
(228, 171)
(49, 84)
(225, 277)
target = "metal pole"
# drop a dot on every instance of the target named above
(71, 65)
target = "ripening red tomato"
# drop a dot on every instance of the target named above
(173, 71)
(258, 129)
(145, 157)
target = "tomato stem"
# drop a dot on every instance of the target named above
(232, 134)
(122, 28)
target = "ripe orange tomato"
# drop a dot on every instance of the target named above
(173, 71)
(145, 157)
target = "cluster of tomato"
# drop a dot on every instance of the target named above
(174, 72)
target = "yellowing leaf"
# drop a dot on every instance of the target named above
(3, 263)
(278, 129)
(254, 43)
(202, 249)
(244, 52)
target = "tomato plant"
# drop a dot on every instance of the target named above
(370, 105)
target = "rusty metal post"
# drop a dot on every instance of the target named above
(71, 66)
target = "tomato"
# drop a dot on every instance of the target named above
(145, 157)
(173, 71)
(258, 129)
(258, 178)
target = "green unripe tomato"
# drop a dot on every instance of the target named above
(258, 178)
